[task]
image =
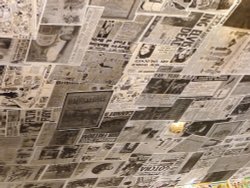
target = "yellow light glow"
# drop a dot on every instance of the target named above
(177, 127)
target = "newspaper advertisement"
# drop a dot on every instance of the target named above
(61, 88)
(84, 109)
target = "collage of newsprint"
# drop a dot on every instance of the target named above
(124, 93)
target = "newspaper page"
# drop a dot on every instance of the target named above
(188, 40)
(81, 182)
(25, 87)
(117, 9)
(86, 32)
(54, 171)
(164, 88)
(95, 151)
(166, 7)
(143, 131)
(150, 56)
(164, 113)
(238, 65)
(52, 184)
(97, 169)
(122, 151)
(214, 6)
(64, 12)
(117, 36)
(61, 88)
(127, 91)
(158, 89)
(162, 164)
(62, 34)
(242, 88)
(211, 109)
(241, 111)
(104, 67)
(203, 86)
(54, 44)
(84, 109)
(13, 51)
(212, 58)
(18, 18)
(163, 29)
(238, 17)
(109, 129)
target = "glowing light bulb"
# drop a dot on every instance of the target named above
(177, 127)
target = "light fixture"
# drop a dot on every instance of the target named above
(177, 127)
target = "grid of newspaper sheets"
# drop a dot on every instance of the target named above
(124, 93)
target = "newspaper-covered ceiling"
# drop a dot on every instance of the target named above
(124, 93)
